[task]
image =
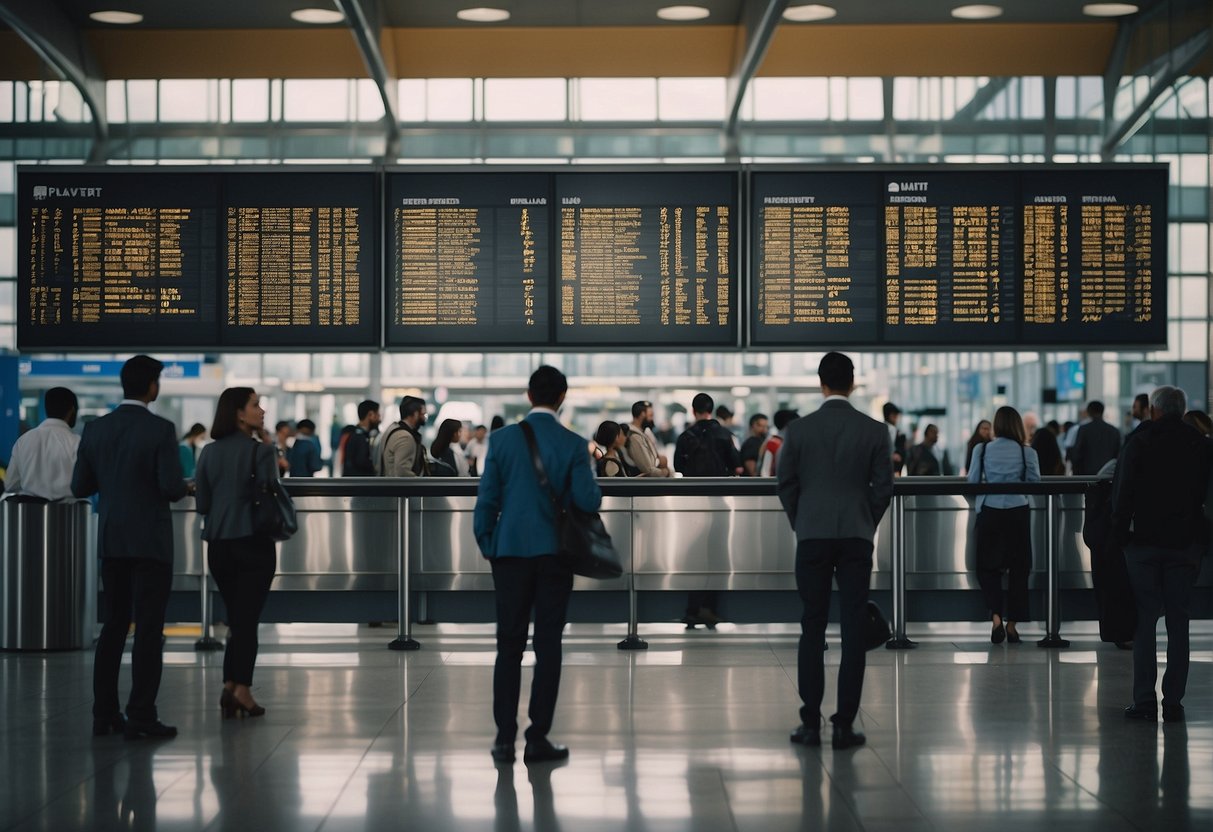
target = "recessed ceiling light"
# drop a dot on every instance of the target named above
(977, 12)
(483, 15)
(1109, 9)
(809, 13)
(683, 13)
(318, 16)
(119, 18)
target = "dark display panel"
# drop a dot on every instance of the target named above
(813, 258)
(116, 260)
(950, 258)
(300, 254)
(647, 259)
(470, 259)
(1094, 257)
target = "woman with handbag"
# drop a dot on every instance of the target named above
(1004, 537)
(232, 474)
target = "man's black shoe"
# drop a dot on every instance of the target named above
(1172, 713)
(846, 737)
(103, 726)
(503, 752)
(804, 735)
(542, 751)
(1143, 713)
(154, 728)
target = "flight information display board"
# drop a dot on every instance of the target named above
(470, 259)
(1094, 257)
(647, 259)
(950, 252)
(109, 260)
(299, 254)
(813, 258)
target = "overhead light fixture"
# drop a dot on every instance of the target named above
(1109, 9)
(117, 18)
(809, 13)
(317, 16)
(481, 14)
(683, 13)
(977, 12)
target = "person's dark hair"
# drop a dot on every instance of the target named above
(231, 401)
(783, 418)
(702, 403)
(1199, 420)
(1008, 424)
(638, 408)
(411, 405)
(59, 403)
(281, 424)
(606, 434)
(306, 424)
(496, 423)
(366, 408)
(975, 440)
(1053, 425)
(546, 387)
(196, 430)
(836, 371)
(890, 409)
(1065, 428)
(1095, 409)
(1143, 400)
(480, 427)
(1048, 452)
(723, 413)
(447, 433)
(756, 417)
(137, 375)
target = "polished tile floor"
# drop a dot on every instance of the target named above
(689, 735)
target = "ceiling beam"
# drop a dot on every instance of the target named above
(759, 19)
(366, 30)
(983, 98)
(50, 34)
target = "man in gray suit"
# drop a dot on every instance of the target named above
(835, 483)
(129, 457)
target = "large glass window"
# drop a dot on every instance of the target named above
(525, 99)
(617, 99)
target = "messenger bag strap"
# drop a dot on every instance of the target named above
(540, 472)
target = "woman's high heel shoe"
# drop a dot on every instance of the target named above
(233, 707)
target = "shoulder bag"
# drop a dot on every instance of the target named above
(273, 510)
(581, 538)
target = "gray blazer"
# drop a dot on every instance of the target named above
(225, 486)
(835, 480)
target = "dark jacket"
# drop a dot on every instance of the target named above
(1096, 444)
(713, 436)
(358, 455)
(922, 463)
(129, 457)
(1162, 478)
(304, 457)
(225, 484)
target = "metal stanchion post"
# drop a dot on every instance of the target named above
(898, 557)
(1053, 615)
(404, 626)
(208, 641)
(633, 640)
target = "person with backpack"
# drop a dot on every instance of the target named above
(705, 449)
(401, 451)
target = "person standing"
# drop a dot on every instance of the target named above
(928, 459)
(759, 428)
(641, 446)
(190, 447)
(43, 458)
(304, 455)
(897, 439)
(129, 457)
(1095, 444)
(357, 455)
(515, 527)
(401, 452)
(1158, 496)
(241, 561)
(477, 450)
(835, 483)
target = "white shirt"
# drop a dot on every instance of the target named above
(43, 460)
(135, 402)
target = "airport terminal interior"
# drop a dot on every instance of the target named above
(1005, 204)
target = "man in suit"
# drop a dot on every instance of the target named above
(835, 482)
(927, 459)
(515, 526)
(129, 458)
(897, 439)
(1096, 444)
(1158, 496)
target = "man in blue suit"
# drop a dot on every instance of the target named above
(515, 525)
(129, 457)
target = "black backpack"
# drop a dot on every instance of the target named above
(702, 459)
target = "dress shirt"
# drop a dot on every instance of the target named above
(1003, 460)
(43, 460)
(135, 402)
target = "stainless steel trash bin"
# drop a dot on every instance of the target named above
(43, 575)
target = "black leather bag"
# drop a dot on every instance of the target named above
(876, 630)
(273, 509)
(581, 537)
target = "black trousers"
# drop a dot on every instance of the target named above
(243, 569)
(1004, 541)
(1162, 579)
(818, 562)
(522, 584)
(136, 589)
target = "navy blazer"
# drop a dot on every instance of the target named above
(130, 458)
(513, 517)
